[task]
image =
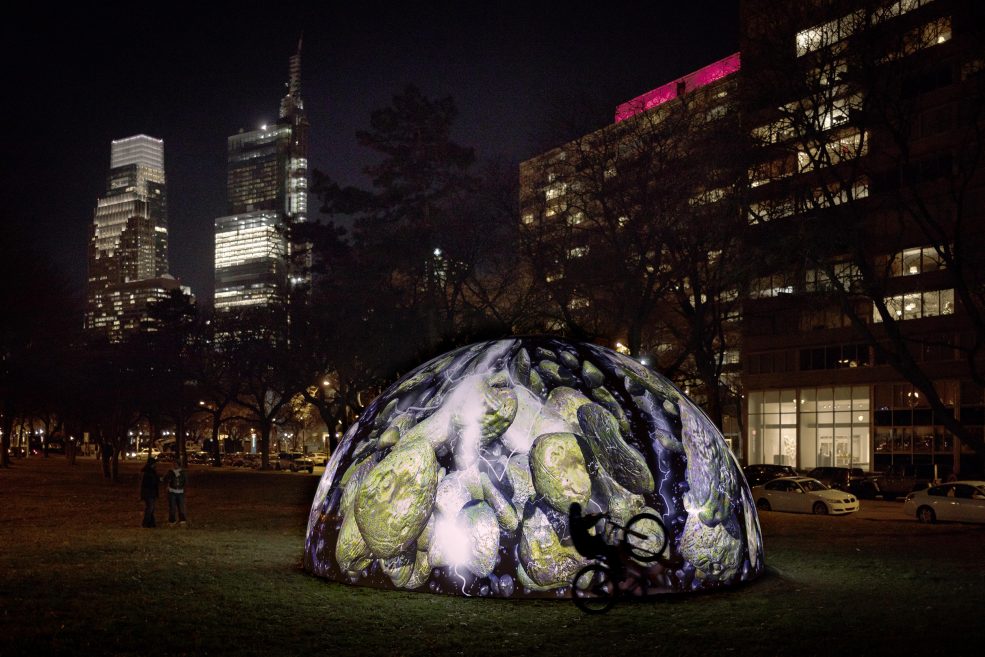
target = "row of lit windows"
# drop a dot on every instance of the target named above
(818, 198)
(839, 29)
(846, 147)
(232, 257)
(846, 275)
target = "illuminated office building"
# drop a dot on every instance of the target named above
(267, 191)
(128, 245)
(860, 127)
(250, 257)
(831, 157)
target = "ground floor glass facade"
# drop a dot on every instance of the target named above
(811, 427)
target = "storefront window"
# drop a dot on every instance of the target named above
(773, 427)
(811, 427)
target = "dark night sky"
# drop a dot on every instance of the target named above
(79, 77)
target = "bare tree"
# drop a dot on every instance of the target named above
(633, 233)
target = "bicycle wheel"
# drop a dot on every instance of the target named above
(593, 589)
(646, 537)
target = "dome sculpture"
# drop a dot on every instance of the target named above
(458, 478)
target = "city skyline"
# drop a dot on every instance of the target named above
(193, 83)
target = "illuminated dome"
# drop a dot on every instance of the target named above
(458, 478)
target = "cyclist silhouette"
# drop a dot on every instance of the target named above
(589, 545)
(642, 540)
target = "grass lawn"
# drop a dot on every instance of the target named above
(80, 577)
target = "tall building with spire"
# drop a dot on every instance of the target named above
(128, 242)
(267, 191)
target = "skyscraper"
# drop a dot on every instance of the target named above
(128, 245)
(267, 191)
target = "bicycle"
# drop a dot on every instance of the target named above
(595, 587)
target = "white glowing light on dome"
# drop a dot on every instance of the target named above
(452, 541)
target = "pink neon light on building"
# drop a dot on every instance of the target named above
(671, 90)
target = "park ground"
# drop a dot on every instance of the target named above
(80, 577)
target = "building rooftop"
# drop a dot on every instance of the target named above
(690, 82)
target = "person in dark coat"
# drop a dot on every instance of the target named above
(149, 488)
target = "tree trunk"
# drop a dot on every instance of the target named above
(6, 427)
(104, 454)
(713, 408)
(331, 422)
(265, 428)
(635, 339)
(216, 453)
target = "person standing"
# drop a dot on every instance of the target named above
(175, 480)
(149, 488)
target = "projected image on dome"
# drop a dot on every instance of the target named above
(458, 479)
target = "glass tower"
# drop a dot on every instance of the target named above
(128, 243)
(267, 192)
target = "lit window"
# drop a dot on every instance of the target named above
(846, 274)
(575, 218)
(836, 195)
(767, 172)
(555, 191)
(915, 261)
(925, 36)
(770, 286)
(707, 196)
(774, 132)
(770, 209)
(918, 304)
(846, 148)
(828, 34)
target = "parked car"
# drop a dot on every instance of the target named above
(141, 455)
(759, 473)
(319, 458)
(960, 501)
(803, 495)
(199, 457)
(849, 480)
(295, 462)
(898, 481)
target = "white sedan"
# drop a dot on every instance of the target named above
(802, 495)
(961, 501)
